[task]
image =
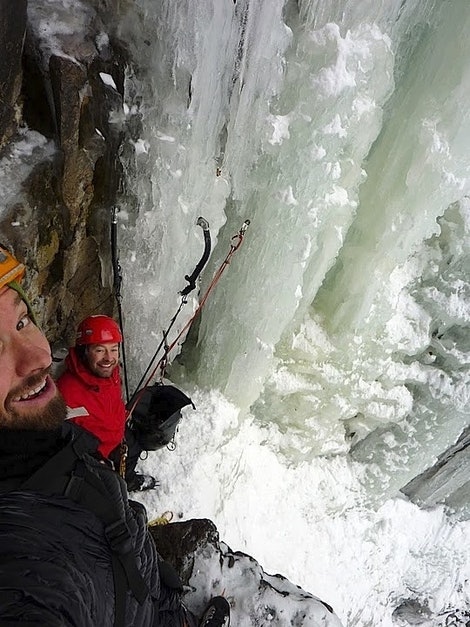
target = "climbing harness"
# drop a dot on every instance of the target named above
(235, 244)
(117, 282)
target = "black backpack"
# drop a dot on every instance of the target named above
(157, 414)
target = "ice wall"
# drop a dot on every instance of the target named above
(395, 305)
(341, 132)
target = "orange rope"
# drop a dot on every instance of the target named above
(233, 249)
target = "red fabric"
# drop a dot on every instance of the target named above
(102, 398)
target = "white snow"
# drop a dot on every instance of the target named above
(108, 80)
(309, 521)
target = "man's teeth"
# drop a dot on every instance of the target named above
(26, 395)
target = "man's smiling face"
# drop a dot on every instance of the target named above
(28, 396)
(102, 359)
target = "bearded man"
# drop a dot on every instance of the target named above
(91, 386)
(74, 551)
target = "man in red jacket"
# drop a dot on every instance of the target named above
(91, 387)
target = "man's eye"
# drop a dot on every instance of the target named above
(25, 320)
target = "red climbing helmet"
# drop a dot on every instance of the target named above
(98, 330)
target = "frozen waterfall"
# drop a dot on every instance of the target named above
(332, 357)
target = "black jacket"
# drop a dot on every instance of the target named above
(57, 565)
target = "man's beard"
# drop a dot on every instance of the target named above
(49, 417)
(102, 374)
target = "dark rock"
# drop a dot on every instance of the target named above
(178, 541)
(208, 567)
(12, 30)
(59, 219)
(447, 481)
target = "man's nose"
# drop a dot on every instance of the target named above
(30, 357)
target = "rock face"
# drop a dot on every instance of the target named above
(447, 481)
(61, 95)
(65, 88)
(12, 29)
(208, 567)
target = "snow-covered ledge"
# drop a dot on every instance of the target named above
(209, 567)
